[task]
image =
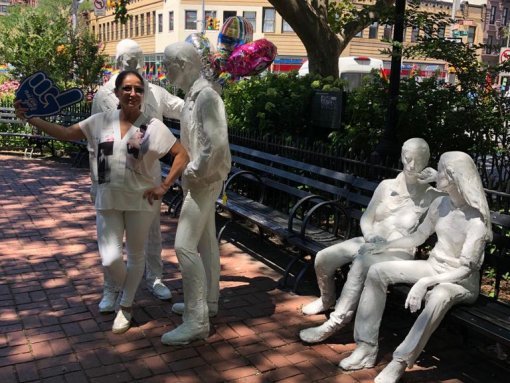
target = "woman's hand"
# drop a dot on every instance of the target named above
(155, 193)
(416, 295)
(20, 110)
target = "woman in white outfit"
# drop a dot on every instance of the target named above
(394, 211)
(127, 146)
(449, 276)
(157, 103)
(204, 135)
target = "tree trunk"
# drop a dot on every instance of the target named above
(309, 22)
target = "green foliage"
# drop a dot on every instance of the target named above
(41, 38)
(274, 103)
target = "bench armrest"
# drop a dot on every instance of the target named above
(298, 205)
(338, 210)
(247, 174)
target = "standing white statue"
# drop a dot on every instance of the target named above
(157, 103)
(461, 221)
(204, 135)
(394, 211)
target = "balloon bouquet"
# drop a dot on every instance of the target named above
(237, 55)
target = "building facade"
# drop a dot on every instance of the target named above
(157, 23)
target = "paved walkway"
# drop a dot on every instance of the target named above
(51, 331)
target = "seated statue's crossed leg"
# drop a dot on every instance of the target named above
(437, 303)
(327, 261)
(351, 292)
(371, 307)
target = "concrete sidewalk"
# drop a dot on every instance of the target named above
(51, 330)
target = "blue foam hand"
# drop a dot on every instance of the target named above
(41, 96)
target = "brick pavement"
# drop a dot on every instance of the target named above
(51, 331)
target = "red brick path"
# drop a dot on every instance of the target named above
(51, 331)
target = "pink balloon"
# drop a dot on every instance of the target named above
(251, 58)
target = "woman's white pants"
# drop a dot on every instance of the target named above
(111, 225)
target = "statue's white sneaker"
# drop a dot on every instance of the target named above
(184, 334)
(122, 322)
(314, 307)
(319, 333)
(107, 303)
(159, 290)
(363, 357)
(178, 308)
(392, 372)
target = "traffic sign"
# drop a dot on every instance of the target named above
(99, 7)
(504, 54)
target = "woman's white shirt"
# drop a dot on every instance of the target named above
(124, 174)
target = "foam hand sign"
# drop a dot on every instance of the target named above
(42, 97)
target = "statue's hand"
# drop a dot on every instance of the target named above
(415, 296)
(374, 238)
(427, 176)
(372, 248)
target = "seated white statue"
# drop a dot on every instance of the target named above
(394, 211)
(449, 276)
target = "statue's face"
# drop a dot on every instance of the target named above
(444, 180)
(131, 61)
(174, 72)
(414, 160)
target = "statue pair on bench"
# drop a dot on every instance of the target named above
(402, 214)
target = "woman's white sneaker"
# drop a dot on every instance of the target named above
(122, 322)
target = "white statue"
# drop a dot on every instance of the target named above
(157, 103)
(204, 135)
(461, 221)
(394, 211)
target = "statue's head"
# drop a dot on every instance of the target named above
(182, 64)
(415, 156)
(129, 56)
(457, 173)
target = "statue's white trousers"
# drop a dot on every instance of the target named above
(438, 301)
(198, 253)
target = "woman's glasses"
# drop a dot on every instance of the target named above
(129, 89)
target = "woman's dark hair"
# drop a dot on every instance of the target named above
(122, 75)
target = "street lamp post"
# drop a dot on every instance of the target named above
(388, 146)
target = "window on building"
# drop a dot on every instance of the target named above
(372, 30)
(492, 19)
(171, 20)
(227, 14)
(415, 31)
(505, 16)
(359, 34)
(471, 35)
(388, 32)
(130, 27)
(137, 27)
(154, 21)
(116, 30)
(99, 31)
(441, 30)
(286, 27)
(268, 20)
(142, 24)
(107, 31)
(190, 19)
(488, 47)
(251, 16)
(160, 23)
(148, 23)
